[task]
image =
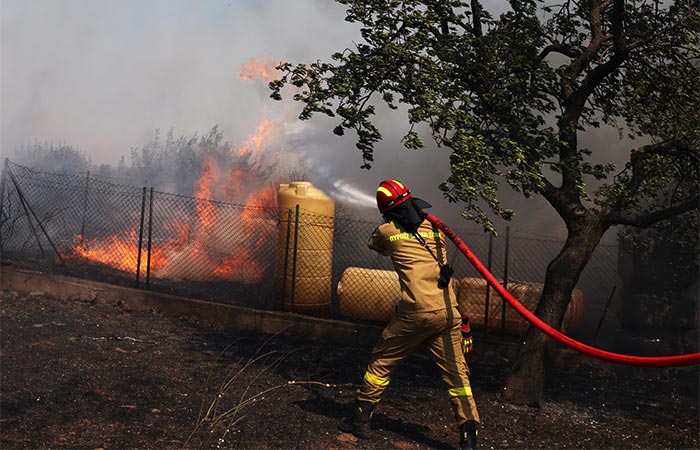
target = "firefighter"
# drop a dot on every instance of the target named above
(426, 314)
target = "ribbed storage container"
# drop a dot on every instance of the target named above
(471, 296)
(370, 294)
(304, 260)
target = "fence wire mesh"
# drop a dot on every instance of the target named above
(259, 257)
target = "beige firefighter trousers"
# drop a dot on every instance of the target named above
(439, 331)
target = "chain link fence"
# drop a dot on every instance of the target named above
(260, 257)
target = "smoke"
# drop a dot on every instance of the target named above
(103, 75)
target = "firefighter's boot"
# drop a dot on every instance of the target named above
(359, 423)
(468, 432)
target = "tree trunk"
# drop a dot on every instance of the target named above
(526, 380)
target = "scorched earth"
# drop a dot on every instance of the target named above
(79, 374)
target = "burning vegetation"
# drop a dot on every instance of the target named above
(217, 234)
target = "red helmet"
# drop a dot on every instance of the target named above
(390, 194)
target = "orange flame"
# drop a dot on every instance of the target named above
(255, 144)
(263, 68)
(203, 189)
(118, 251)
(207, 248)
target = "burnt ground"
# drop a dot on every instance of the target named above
(76, 374)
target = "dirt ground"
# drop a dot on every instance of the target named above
(76, 374)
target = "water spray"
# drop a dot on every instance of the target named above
(353, 196)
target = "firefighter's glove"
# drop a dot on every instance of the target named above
(467, 340)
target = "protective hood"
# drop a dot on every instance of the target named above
(408, 214)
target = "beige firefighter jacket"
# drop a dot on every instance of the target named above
(417, 269)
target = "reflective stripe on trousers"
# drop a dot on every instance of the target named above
(439, 331)
(377, 381)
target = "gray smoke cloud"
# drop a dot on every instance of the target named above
(103, 75)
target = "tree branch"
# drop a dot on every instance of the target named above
(558, 47)
(662, 148)
(476, 18)
(583, 59)
(575, 98)
(618, 215)
(598, 38)
(557, 197)
(620, 52)
(642, 220)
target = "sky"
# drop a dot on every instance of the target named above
(103, 75)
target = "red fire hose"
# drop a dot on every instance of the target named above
(644, 361)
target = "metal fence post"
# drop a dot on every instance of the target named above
(488, 286)
(294, 256)
(605, 312)
(150, 232)
(27, 209)
(505, 278)
(138, 258)
(286, 257)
